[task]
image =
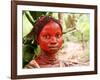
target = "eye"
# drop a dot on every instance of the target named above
(58, 35)
(47, 36)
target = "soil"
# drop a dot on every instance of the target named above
(74, 53)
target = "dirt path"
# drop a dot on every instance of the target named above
(74, 52)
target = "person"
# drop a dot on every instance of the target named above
(47, 32)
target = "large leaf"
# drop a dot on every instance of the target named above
(27, 26)
(28, 53)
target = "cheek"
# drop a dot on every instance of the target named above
(60, 42)
(43, 44)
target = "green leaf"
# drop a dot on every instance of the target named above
(28, 53)
(27, 26)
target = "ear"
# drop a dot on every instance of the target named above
(63, 40)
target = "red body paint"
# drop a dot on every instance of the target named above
(50, 38)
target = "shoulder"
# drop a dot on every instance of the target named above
(32, 64)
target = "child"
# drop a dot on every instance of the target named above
(47, 34)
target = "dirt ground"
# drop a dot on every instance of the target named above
(74, 53)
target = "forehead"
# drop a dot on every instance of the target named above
(52, 26)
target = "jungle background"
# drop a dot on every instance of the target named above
(76, 34)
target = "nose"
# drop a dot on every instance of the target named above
(53, 40)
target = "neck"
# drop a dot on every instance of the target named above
(46, 58)
(48, 55)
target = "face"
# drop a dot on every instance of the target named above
(50, 38)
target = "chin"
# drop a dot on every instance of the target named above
(53, 51)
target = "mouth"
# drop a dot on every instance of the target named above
(53, 48)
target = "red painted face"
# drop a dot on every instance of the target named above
(50, 38)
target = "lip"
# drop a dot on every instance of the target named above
(53, 48)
